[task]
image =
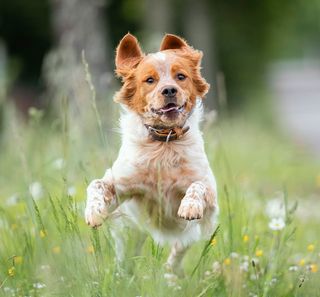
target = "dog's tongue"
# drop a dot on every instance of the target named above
(169, 107)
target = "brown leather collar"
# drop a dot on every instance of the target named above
(165, 134)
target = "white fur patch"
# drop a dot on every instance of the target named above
(159, 56)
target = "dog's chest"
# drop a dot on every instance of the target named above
(162, 170)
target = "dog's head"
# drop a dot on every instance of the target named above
(161, 87)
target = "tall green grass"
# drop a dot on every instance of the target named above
(46, 249)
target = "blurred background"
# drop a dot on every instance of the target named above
(260, 57)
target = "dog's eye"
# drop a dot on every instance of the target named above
(150, 80)
(181, 76)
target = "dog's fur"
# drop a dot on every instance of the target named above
(166, 188)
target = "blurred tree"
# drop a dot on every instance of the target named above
(200, 32)
(249, 34)
(78, 26)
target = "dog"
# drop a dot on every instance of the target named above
(161, 180)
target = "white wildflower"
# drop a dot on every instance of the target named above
(293, 268)
(234, 255)
(36, 190)
(273, 281)
(58, 163)
(245, 258)
(244, 266)
(12, 200)
(253, 276)
(277, 224)
(216, 267)
(39, 286)
(72, 191)
(275, 208)
(45, 267)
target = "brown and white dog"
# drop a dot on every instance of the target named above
(161, 181)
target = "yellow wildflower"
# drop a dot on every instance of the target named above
(259, 253)
(227, 261)
(302, 262)
(313, 268)
(14, 226)
(56, 249)
(310, 247)
(90, 249)
(213, 242)
(17, 260)
(11, 271)
(245, 238)
(43, 233)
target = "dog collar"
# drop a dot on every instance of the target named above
(165, 134)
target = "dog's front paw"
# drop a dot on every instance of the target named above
(100, 196)
(190, 209)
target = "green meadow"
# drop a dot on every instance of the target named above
(267, 243)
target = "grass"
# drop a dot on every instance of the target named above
(46, 249)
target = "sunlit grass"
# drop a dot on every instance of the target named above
(46, 249)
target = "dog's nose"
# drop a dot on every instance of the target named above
(169, 91)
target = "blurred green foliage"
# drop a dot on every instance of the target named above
(246, 35)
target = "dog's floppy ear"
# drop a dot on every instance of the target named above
(128, 55)
(171, 41)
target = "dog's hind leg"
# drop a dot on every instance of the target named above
(174, 261)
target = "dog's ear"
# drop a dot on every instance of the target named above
(128, 55)
(171, 41)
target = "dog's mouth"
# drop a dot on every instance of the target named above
(169, 109)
